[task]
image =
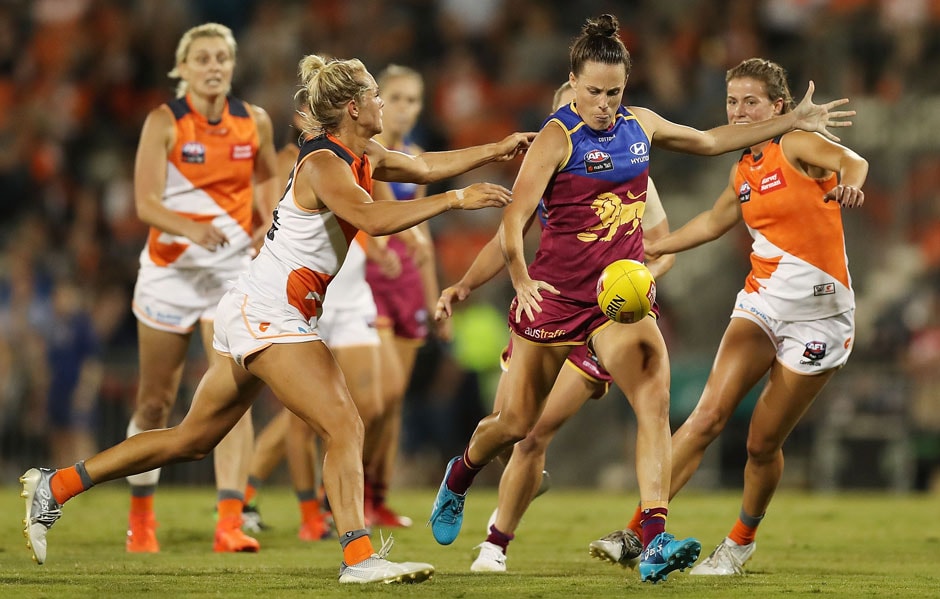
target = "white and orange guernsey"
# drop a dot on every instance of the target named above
(205, 182)
(799, 265)
(281, 294)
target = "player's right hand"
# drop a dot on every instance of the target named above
(483, 195)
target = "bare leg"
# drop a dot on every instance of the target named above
(270, 446)
(222, 398)
(308, 381)
(782, 403)
(532, 372)
(635, 355)
(745, 354)
(523, 473)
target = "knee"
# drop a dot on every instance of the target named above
(349, 429)
(533, 444)
(706, 423)
(154, 403)
(762, 450)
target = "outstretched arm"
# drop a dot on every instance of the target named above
(324, 179)
(806, 116)
(705, 227)
(428, 167)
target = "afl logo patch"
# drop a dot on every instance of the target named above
(193, 152)
(815, 350)
(744, 193)
(597, 161)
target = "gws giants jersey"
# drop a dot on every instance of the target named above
(208, 179)
(594, 204)
(798, 260)
(304, 249)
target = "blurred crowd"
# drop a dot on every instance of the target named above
(77, 78)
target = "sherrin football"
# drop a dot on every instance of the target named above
(626, 291)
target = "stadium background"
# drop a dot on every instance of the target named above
(77, 78)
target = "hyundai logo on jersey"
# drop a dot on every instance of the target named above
(639, 148)
(597, 161)
(194, 152)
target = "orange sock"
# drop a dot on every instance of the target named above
(742, 534)
(634, 524)
(357, 550)
(310, 510)
(230, 508)
(66, 484)
(250, 492)
(142, 505)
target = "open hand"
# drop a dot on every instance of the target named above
(818, 117)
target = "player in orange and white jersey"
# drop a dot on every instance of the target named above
(794, 319)
(347, 326)
(267, 323)
(203, 160)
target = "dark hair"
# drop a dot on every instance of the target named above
(771, 74)
(599, 42)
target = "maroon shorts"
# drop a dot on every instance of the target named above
(399, 302)
(561, 321)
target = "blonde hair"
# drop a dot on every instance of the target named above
(182, 49)
(558, 93)
(326, 85)
(394, 71)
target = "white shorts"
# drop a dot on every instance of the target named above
(804, 346)
(175, 299)
(245, 326)
(349, 312)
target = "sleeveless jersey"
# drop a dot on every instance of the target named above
(304, 249)
(208, 179)
(798, 260)
(594, 204)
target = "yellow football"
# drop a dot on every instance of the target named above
(626, 291)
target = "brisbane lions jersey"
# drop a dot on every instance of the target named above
(593, 204)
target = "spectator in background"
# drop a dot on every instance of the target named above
(75, 371)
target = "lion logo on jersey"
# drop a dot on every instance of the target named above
(614, 215)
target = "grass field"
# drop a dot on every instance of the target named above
(847, 545)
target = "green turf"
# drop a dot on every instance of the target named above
(846, 545)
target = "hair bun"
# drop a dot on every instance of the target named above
(605, 25)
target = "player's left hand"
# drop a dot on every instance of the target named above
(848, 196)
(818, 117)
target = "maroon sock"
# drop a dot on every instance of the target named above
(653, 522)
(461, 474)
(498, 537)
